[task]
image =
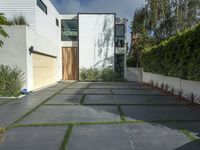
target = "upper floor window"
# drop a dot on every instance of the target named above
(119, 30)
(120, 35)
(42, 6)
(69, 30)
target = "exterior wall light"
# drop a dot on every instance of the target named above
(31, 49)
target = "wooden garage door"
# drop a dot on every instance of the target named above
(43, 70)
(70, 63)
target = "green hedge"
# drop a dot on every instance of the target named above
(131, 62)
(179, 56)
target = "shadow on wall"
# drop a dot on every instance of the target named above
(104, 41)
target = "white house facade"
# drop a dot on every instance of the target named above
(53, 47)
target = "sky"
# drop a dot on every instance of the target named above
(122, 8)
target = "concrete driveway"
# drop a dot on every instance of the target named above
(99, 116)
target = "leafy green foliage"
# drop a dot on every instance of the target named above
(19, 20)
(89, 74)
(3, 21)
(179, 56)
(92, 74)
(131, 61)
(11, 81)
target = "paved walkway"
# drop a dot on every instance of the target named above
(99, 116)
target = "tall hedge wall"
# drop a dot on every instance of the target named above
(178, 57)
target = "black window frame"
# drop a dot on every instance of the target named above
(43, 7)
(116, 30)
(121, 42)
(57, 22)
(69, 30)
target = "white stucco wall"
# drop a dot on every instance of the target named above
(46, 23)
(96, 40)
(13, 52)
(134, 74)
(187, 86)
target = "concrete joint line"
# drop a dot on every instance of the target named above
(66, 137)
(32, 110)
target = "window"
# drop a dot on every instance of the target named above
(42, 6)
(120, 30)
(69, 30)
(57, 22)
(120, 35)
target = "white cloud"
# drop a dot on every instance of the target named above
(123, 8)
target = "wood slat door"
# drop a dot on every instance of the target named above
(70, 63)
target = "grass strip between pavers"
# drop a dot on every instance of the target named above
(190, 136)
(66, 137)
(29, 112)
(187, 133)
(82, 99)
(121, 113)
(75, 104)
(95, 123)
(79, 123)
(102, 104)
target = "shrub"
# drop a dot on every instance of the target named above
(19, 20)
(166, 87)
(11, 81)
(172, 90)
(156, 85)
(193, 98)
(180, 93)
(131, 62)
(179, 56)
(93, 74)
(151, 83)
(162, 86)
(89, 74)
(109, 75)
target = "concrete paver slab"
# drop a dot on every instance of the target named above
(137, 92)
(130, 99)
(119, 87)
(162, 136)
(160, 113)
(65, 99)
(98, 137)
(79, 85)
(4, 101)
(139, 136)
(33, 138)
(86, 91)
(116, 84)
(58, 114)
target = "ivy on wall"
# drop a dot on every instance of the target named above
(179, 56)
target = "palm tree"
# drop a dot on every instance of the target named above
(3, 21)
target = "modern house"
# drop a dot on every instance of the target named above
(53, 47)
